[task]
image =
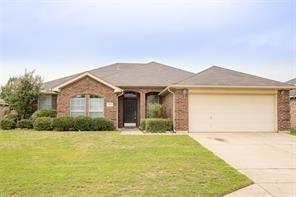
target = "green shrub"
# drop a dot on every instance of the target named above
(143, 124)
(102, 124)
(83, 123)
(12, 115)
(158, 125)
(63, 123)
(44, 113)
(7, 124)
(42, 123)
(155, 111)
(24, 124)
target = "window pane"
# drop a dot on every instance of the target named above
(96, 106)
(153, 98)
(45, 102)
(74, 114)
(78, 105)
(96, 114)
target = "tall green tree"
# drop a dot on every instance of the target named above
(21, 92)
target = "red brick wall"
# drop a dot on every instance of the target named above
(293, 112)
(181, 116)
(87, 86)
(283, 110)
(181, 108)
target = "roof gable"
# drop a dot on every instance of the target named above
(87, 74)
(217, 76)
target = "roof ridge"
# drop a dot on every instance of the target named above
(292, 81)
(164, 65)
(195, 74)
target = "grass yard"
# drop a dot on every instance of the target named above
(293, 132)
(36, 163)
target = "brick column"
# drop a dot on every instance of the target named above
(283, 105)
(142, 105)
(181, 110)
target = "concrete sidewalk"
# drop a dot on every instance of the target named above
(269, 159)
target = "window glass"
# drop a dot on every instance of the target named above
(96, 106)
(45, 102)
(77, 105)
(152, 98)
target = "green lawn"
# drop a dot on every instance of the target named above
(293, 132)
(36, 163)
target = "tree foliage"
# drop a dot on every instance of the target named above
(21, 92)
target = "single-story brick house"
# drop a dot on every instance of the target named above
(293, 104)
(214, 100)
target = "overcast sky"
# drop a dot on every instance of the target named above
(62, 37)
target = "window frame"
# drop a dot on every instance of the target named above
(78, 111)
(45, 95)
(96, 111)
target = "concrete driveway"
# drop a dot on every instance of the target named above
(269, 159)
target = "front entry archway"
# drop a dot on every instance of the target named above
(129, 113)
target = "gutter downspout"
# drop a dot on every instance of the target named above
(174, 99)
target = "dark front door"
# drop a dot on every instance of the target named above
(130, 112)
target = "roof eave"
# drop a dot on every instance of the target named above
(177, 86)
(288, 87)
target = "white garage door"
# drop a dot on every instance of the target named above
(232, 113)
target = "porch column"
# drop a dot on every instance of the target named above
(142, 105)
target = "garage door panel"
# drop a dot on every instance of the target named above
(231, 113)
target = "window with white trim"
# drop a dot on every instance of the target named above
(45, 102)
(96, 106)
(77, 106)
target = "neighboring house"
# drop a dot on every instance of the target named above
(293, 104)
(3, 108)
(214, 100)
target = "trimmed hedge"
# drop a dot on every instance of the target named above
(83, 123)
(24, 124)
(63, 123)
(142, 124)
(7, 124)
(42, 124)
(44, 113)
(102, 124)
(156, 125)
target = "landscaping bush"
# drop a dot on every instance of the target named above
(155, 111)
(44, 113)
(63, 123)
(142, 124)
(83, 123)
(102, 124)
(12, 115)
(24, 124)
(158, 125)
(7, 124)
(42, 123)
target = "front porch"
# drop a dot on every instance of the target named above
(132, 105)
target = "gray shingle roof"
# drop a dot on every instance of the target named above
(131, 74)
(217, 76)
(292, 92)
